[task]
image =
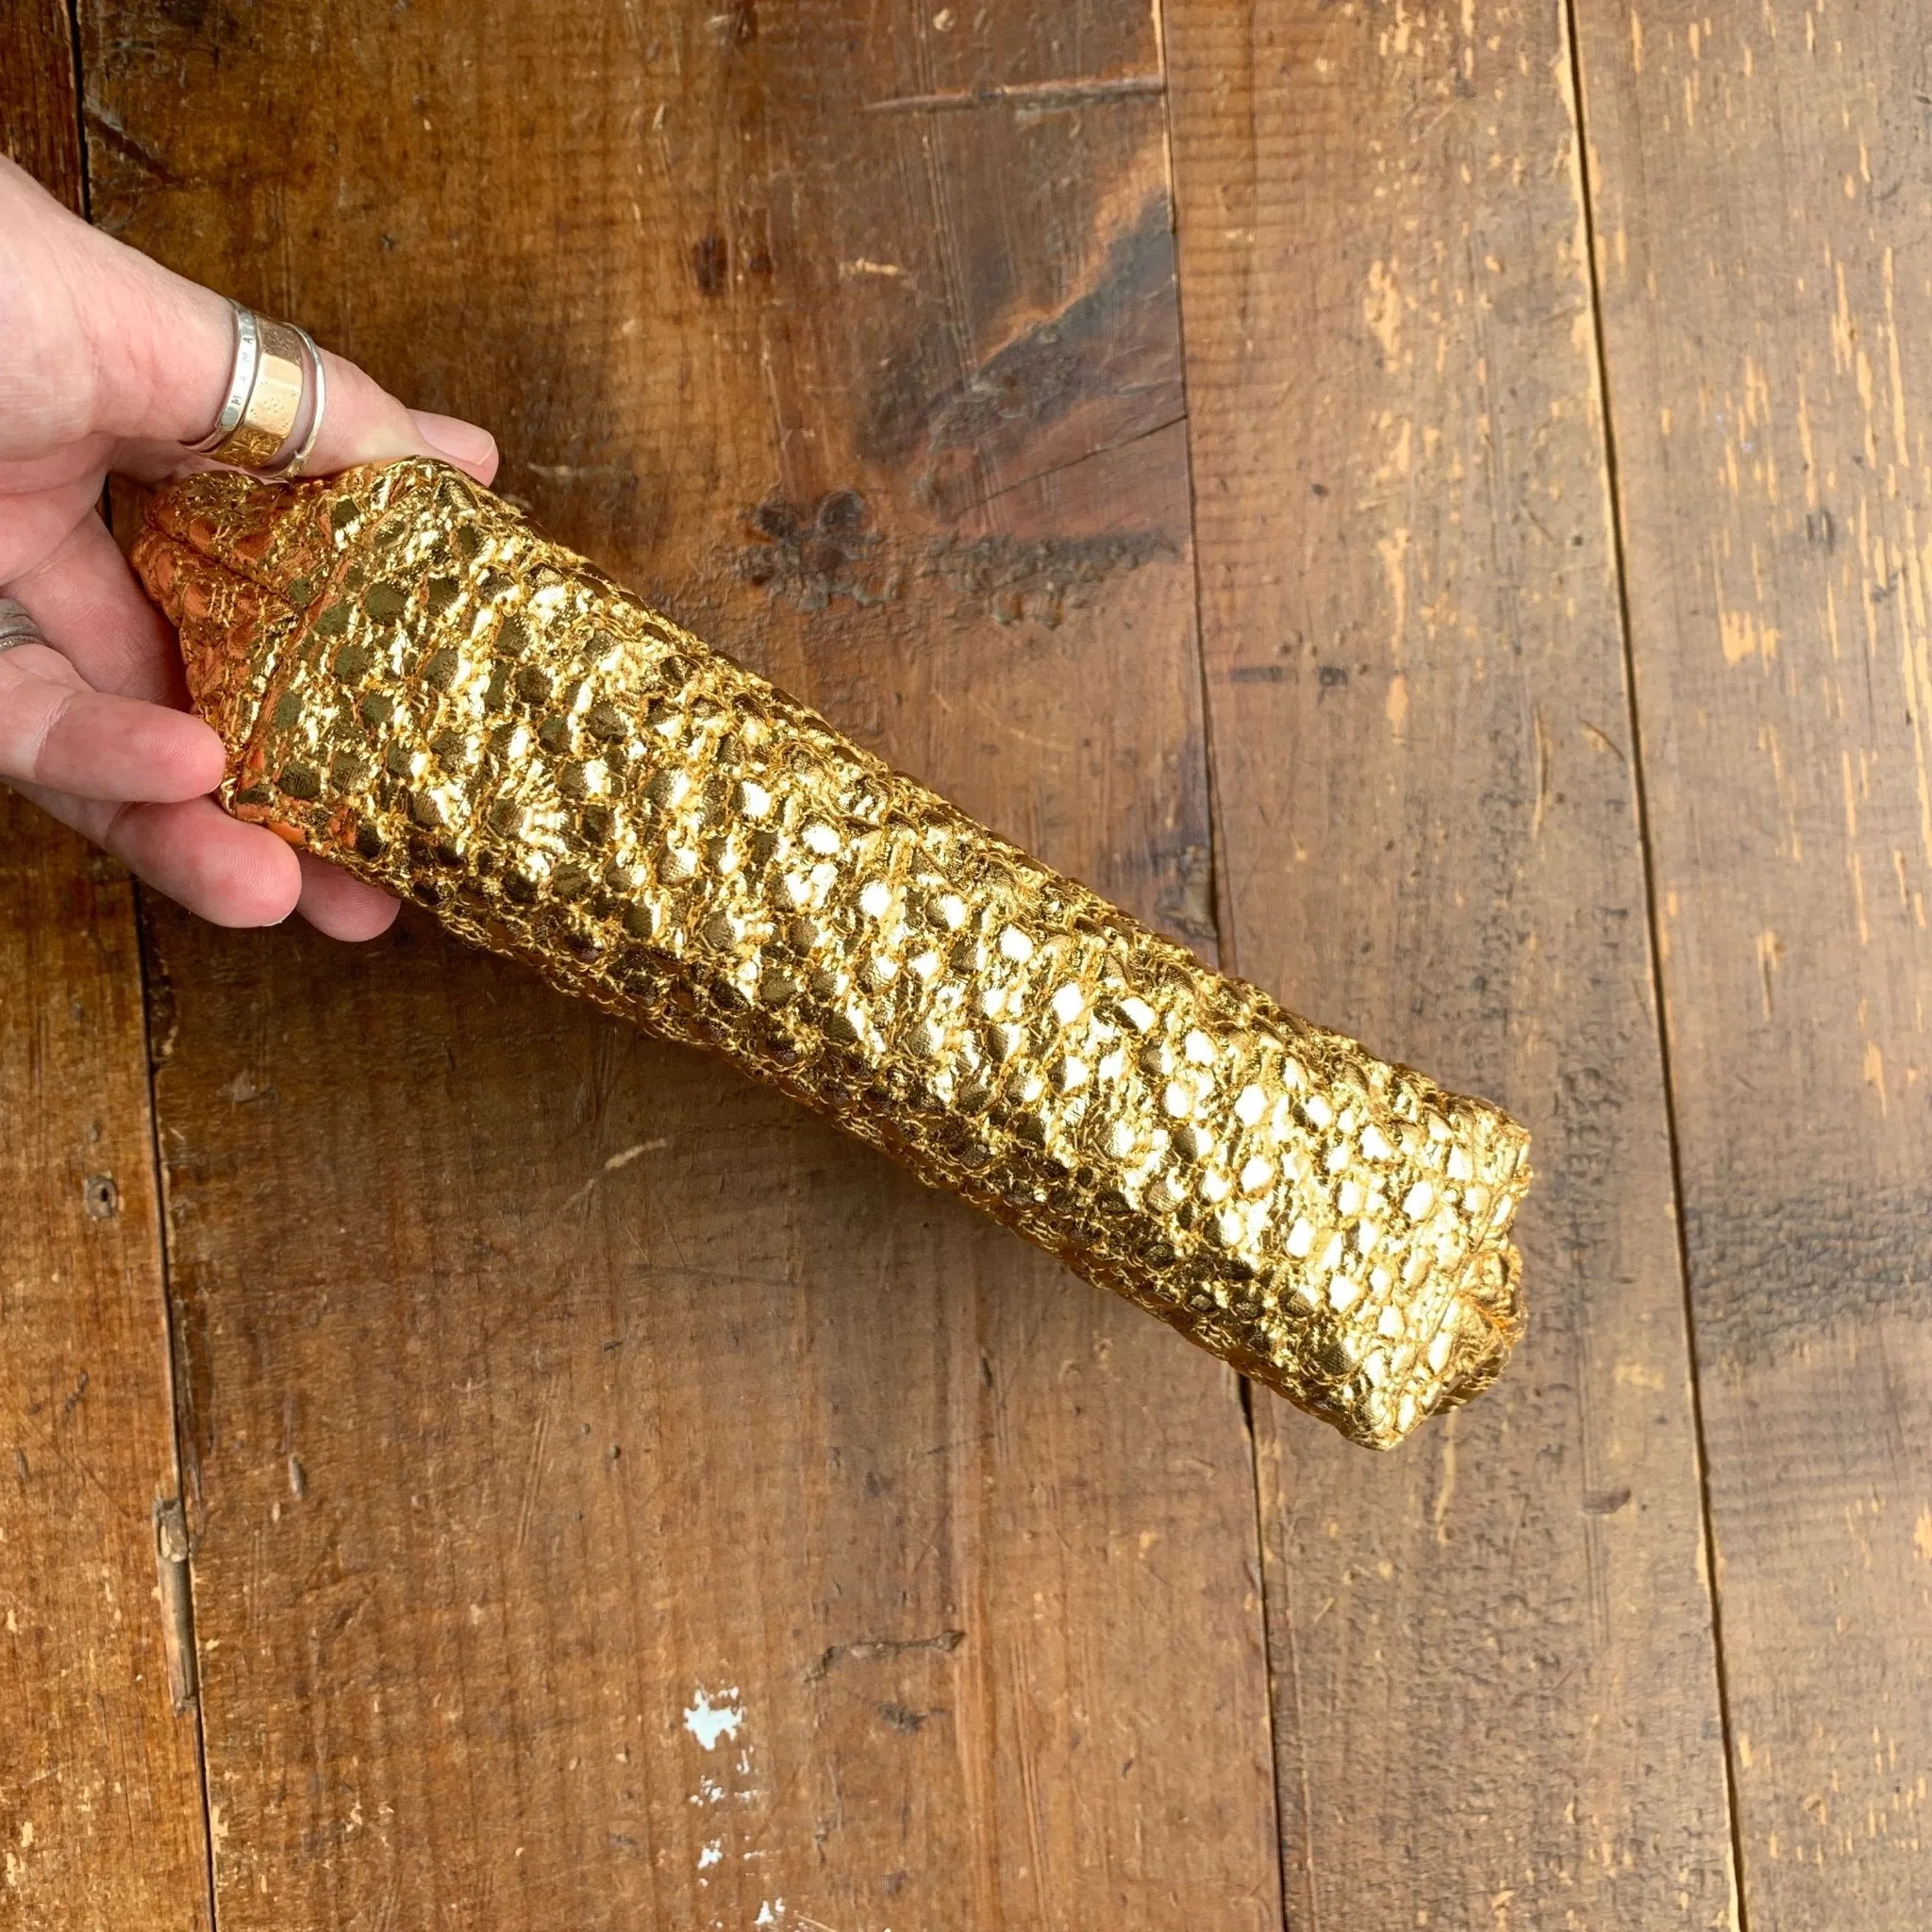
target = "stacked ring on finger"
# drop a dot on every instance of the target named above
(277, 392)
(16, 627)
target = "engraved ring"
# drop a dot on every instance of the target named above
(276, 395)
(16, 627)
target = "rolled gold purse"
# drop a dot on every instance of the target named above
(413, 684)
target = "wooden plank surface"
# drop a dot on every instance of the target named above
(618, 1500)
(615, 1498)
(101, 1820)
(1764, 213)
(39, 126)
(101, 1815)
(1496, 1695)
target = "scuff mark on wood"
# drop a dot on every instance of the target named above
(872, 1650)
(1039, 95)
(117, 141)
(903, 1718)
(1010, 578)
(813, 556)
(177, 1602)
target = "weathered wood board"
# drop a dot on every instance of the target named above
(618, 1499)
(1495, 1690)
(615, 1499)
(1763, 199)
(101, 1816)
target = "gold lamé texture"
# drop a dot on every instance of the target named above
(412, 682)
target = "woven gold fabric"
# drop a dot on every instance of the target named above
(414, 683)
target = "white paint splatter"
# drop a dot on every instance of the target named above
(770, 1911)
(713, 1853)
(708, 1722)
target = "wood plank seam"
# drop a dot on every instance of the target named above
(1587, 196)
(71, 9)
(104, 1793)
(1760, 189)
(1394, 411)
(1222, 954)
(173, 1564)
(173, 1521)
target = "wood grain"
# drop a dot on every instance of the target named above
(1496, 1677)
(620, 1500)
(1764, 212)
(101, 1813)
(39, 119)
(101, 1819)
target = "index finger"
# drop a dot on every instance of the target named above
(114, 344)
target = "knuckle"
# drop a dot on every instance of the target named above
(42, 749)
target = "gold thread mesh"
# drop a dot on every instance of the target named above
(414, 683)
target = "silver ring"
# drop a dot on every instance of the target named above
(16, 627)
(292, 467)
(241, 379)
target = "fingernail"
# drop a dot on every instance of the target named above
(450, 436)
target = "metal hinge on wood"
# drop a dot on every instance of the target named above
(177, 1602)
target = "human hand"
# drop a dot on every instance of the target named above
(111, 363)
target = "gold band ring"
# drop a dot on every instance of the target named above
(276, 393)
(297, 460)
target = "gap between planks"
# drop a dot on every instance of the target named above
(1585, 192)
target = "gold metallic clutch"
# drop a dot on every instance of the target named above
(414, 683)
